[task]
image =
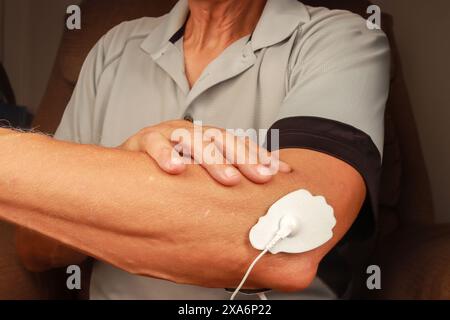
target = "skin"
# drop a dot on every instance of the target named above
(41, 253)
(67, 206)
(213, 26)
(119, 212)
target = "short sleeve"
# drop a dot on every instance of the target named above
(77, 122)
(337, 91)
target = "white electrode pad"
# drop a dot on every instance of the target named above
(314, 218)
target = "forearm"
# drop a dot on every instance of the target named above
(111, 204)
(118, 207)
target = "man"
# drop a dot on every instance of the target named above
(319, 76)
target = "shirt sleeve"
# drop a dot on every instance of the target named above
(77, 124)
(337, 90)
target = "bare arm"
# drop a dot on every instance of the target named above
(39, 253)
(118, 207)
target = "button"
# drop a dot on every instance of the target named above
(189, 118)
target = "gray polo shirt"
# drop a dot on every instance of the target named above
(319, 76)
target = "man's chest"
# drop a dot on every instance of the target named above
(234, 92)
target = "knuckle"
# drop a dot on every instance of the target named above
(149, 137)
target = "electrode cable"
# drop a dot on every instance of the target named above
(288, 225)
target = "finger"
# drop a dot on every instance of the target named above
(272, 160)
(211, 158)
(243, 153)
(207, 155)
(254, 170)
(162, 151)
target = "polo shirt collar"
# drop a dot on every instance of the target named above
(279, 20)
(171, 24)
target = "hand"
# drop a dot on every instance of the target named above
(224, 156)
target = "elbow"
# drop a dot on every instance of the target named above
(39, 254)
(296, 282)
(23, 251)
(26, 253)
(29, 260)
(33, 266)
(291, 277)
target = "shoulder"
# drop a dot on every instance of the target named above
(326, 21)
(334, 34)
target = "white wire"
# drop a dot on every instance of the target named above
(248, 273)
(271, 244)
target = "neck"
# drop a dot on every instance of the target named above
(217, 23)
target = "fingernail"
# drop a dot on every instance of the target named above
(176, 161)
(231, 172)
(264, 171)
